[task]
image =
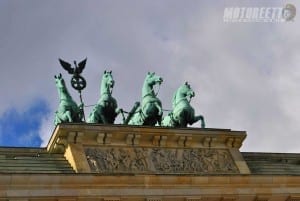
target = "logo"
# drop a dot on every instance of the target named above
(289, 12)
(260, 14)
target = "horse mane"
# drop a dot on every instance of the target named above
(176, 95)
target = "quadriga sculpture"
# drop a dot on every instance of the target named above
(106, 109)
(68, 110)
(150, 110)
(183, 113)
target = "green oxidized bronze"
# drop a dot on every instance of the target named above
(183, 113)
(149, 112)
(68, 110)
(106, 109)
(77, 81)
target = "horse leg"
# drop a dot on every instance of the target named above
(118, 111)
(182, 119)
(57, 119)
(201, 118)
(68, 116)
(160, 113)
(100, 114)
(92, 117)
(95, 115)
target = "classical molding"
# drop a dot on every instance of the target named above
(91, 134)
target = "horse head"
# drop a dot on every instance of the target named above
(153, 79)
(59, 81)
(107, 82)
(61, 87)
(184, 92)
(187, 90)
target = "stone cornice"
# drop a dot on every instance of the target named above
(97, 134)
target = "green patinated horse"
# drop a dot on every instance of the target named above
(150, 110)
(106, 109)
(68, 110)
(183, 113)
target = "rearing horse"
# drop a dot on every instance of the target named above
(68, 110)
(183, 113)
(106, 109)
(150, 110)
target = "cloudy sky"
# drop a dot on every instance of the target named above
(246, 75)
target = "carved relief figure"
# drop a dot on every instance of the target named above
(140, 160)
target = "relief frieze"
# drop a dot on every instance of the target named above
(160, 160)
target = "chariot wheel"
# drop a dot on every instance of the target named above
(78, 83)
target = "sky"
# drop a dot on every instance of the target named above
(246, 76)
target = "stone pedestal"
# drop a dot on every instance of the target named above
(118, 149)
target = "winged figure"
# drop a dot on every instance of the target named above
(76, 70)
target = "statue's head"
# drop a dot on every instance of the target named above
(187, 90)
(59, 81)
(152, 79)
(107, 78)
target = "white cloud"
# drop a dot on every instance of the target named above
(46, 129)
(245, 74)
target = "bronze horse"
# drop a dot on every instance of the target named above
(106, 110)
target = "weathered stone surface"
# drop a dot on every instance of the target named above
(149, 150)
(127, 163)
(32, 160)
(160, 160)
(273, 163)
(87, 187)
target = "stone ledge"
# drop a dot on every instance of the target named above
(92, 187)
(149, 181)
(124, 135)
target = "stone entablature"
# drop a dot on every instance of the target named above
(120, 135)
(108, 149)
(95, 187)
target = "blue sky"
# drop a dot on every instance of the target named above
(20, 128)
(246, 75)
